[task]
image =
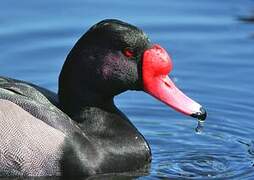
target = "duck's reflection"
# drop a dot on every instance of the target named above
(247, 19)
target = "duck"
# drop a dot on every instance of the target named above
(79, 131)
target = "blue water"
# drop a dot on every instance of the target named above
(213, 54)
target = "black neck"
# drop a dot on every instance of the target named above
(112, 136)
(89, 109)
(77, 103)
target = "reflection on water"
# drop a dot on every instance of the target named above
(205, 164)
(248, 18)
(213, 63)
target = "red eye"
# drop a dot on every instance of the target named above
(128, 53)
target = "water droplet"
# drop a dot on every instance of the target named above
(200, 127)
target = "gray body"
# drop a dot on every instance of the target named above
(28, 146)
(32, 131)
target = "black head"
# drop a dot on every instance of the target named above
(117, 35)
(104, 62)
(112, 57)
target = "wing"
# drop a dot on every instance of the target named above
(39, 102)
(28, 146)
(33, 91)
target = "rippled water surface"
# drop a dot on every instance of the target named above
(212, 46)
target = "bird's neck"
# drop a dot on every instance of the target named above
(95, 113)
(111, 132)
(76, 102)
